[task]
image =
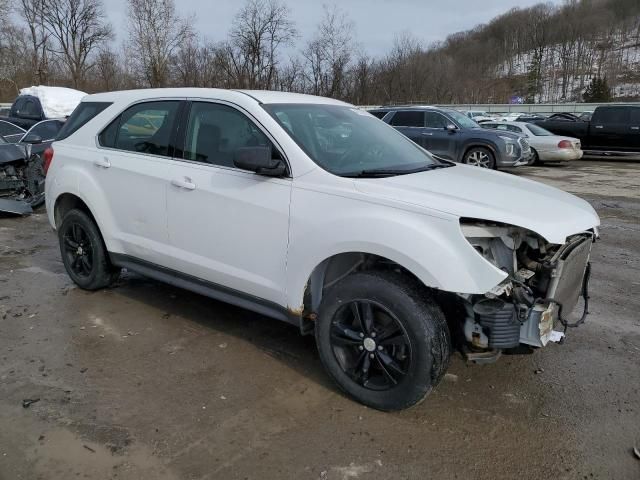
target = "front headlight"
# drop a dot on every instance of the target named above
(511, 146)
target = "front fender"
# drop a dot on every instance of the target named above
(432, 248)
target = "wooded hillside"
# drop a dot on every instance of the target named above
(545, 53)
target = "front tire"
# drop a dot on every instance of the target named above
(83, 251)
(480, 157)
(382, 339)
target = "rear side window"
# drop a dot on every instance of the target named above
(513, 128)
(635, 117)
(84, 112)
(611, 115)
(409, 118)
(145, 128)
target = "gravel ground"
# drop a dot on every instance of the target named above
(145, 381)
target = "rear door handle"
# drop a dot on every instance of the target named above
(103, 163)
(635, 128)
(599, 126)
(427, 133)
(184, 182)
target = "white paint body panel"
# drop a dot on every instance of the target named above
(264, 236)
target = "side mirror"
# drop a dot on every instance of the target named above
(260, 161)
(451, 128)
(32, 139)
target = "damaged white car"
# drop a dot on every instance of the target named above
(311, 211)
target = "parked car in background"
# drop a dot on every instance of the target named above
(11, 132)
(21, 168)
(545, 146)
(35, 104)
(452, 135)
(612, 128)
(478, 116)
(529, 117)
(363, 243)
(509, 117)
(4, 111)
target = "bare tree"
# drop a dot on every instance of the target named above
(156, 32)
(32, 11)
(328, 54)
(78, 29)
(260, 29)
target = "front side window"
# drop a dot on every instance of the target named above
(216, 132)
(435, 120)
(144, 127)
(409, 118)
(461, 119)
(349, 142)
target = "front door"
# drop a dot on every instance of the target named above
(227, 226)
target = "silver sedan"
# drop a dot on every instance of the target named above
(545, 146)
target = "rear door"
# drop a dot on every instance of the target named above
(131, 167)
(411, 124)
(227, 226)
(609, 128)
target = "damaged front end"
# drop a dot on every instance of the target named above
(542, 288)
(21, 179)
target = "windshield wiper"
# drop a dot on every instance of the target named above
(390, 172)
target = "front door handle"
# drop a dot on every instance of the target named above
(635, 128)
(427, 134)
(103, 162)
(184, 182)
(599, 126)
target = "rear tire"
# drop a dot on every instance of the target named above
(84, 253)
(480, 157)
(382, 339)
(535, 160)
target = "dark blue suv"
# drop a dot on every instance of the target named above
(452, 135)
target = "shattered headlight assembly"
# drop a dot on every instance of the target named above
(511, 146)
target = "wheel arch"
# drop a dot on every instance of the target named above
(68, 201)
(336, 267)
(479, 144)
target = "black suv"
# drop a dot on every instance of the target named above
(452, 135)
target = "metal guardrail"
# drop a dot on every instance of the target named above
(520, 108)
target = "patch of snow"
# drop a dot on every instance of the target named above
(57, 102)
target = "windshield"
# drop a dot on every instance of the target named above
(461, 119)
(538, 131)
(347, 141)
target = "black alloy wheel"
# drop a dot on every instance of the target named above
(78, 250)
(84, 253)
(370, 344)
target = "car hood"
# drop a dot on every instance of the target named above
(474, 192)
(491, 133)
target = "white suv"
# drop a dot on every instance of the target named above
(311, 211)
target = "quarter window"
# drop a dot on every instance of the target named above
(145, 128)
(215, 133)
(409, 118)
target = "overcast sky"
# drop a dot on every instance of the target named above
(376, 21)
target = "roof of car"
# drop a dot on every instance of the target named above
(260, 96)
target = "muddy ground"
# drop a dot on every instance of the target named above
(145, 381)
